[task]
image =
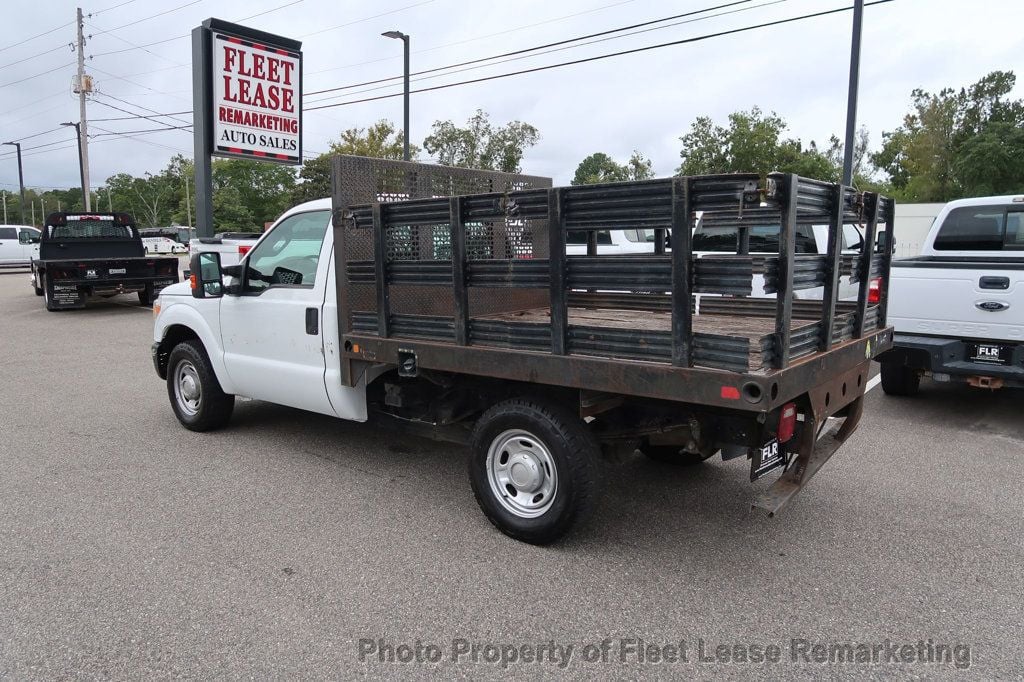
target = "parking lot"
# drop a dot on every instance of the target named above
(292, 544)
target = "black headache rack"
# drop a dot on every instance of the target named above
(481, 284)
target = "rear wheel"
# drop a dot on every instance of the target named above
(36, 288)
(196, 397)
(534, 469)
(899, 379)
(47, 298)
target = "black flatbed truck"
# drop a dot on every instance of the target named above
(96, 254)
(479, 290)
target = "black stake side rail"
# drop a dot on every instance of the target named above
(793, 199)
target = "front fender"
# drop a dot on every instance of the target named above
(178, 316)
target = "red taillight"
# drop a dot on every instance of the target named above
(787, 422)
(242, 250)
(730, 393)
(875, 290)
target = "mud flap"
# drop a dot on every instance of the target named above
(812, 454)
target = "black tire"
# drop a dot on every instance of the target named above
(899, 380)
(564, 443)
(46, 298)
(211, 408)
(672, 454)
(146, 296)
(36, 288)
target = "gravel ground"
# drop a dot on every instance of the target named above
(289, 543)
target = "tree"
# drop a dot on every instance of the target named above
(957, 143)
(481, 145)
(599, 167)
(381, 140)
(751, 143)
(263, 189)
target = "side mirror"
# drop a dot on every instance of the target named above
(205, 275)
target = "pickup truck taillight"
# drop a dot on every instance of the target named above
(787, 422)
(875, 290)
(243, 249)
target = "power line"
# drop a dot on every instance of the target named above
(101, 11)
(107, 133)
(148, 118)
(43, 73)
(23, 41)
(41, 54)
(545, 46)
(138, 47)
(139, 106)
(153, 16)
(470, 40)
(604, 56)
(45, 132)
(359, 21)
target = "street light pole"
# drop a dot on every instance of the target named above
(398, 35)
(81, 163)
(851, 102)
(21, 181)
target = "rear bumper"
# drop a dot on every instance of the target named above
(950, 360)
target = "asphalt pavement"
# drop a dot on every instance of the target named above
(296, 545)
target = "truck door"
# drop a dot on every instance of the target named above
(10, 250)
(271, 333)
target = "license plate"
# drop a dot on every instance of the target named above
(767, 458)
(990, 353)
(117, 271)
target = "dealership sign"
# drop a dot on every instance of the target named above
(256, 106)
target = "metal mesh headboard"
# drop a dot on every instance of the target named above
(364, 180)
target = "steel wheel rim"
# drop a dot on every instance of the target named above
(188, 390)
(521, 473)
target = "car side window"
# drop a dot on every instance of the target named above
(289, 254)
(26, 236)
(1014, 230)
(8, 233)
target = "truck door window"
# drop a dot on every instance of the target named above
(972, 228)
(289, 255)
(8, 233)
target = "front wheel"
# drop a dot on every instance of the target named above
(196, 397)
(534, 469)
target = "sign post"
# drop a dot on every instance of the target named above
(247, 99)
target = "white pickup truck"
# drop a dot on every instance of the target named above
(958, 308)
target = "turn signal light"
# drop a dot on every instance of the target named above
(193, 282)
(787, 422)
(875, 290)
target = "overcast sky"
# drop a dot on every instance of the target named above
(642, 101)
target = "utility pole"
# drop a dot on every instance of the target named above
(398, 35)
(84, 86)
(21, 181)
(851, 102)
(110, 201)
(188, 204)
(5, 207)
(33, 213)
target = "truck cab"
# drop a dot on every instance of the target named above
(19, 244)
(958, 308)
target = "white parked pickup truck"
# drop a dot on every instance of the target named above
(958, 308)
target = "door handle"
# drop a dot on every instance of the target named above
(994, 283)
(312, 321)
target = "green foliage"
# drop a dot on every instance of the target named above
(752, 142)
(958, 143)
(261, 190)
(381, 140)
(599, 167)
(481, 145)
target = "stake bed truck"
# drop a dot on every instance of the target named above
(463, 317)
(92, 254)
